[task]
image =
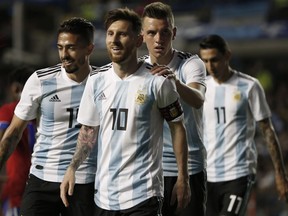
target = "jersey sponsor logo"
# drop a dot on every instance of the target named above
(55, 98)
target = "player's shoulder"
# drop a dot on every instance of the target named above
(48, 72)
(100, 70)
(244, 77)
(184, 56)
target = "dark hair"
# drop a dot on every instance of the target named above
(20, 75)
(159, 10)
(79, 26)
(123, 14)
(214, 42)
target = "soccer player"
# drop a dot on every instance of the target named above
(189, 72)
(54, 94)
(234, 103)
(130, 105)
(13, 188)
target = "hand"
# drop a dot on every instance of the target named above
(282, 186)
(182, 193)
(163, 70)
(67, 185)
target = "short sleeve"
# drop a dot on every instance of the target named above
(194, 70)
(88, 114)
(27, 108)
(258, 103)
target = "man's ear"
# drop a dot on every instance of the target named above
(174, 33)
(142, 33)
(90, 48)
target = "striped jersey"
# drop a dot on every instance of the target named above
(231, 110)
(188, 68)
(53, 97)
(130, 138)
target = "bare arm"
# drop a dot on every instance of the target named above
(181, 190)
(86, 140)
(192, 93)
(11, 138)
(274, 149)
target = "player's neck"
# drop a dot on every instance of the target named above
(125, 69)
(80, 75)
(164, 59)
(226, 76)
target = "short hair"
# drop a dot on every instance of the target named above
(20, 75)
(214, 42)
(124, 14)
(78, 26)
(159, 10)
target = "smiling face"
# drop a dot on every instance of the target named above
(121, 41)
(158, 35)
(72, 51)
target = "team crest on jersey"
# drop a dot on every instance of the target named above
(140, 97)
(237, 96)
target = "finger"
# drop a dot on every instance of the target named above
(63, 195)
(71, 190)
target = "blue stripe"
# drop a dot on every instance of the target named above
(121, 90)
(144, 145)
(47, 113)
(241, 123)
(220, 128)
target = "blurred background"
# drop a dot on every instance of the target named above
(256, 30)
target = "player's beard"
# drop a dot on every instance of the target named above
(118, 58)
(72, 68)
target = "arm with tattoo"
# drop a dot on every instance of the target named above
(86, 140)
(274, 149)
(11, 138)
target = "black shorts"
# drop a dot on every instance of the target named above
(43, 198)
(229, 198)
(197, 205)
(150, 207)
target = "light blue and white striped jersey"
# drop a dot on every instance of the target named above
(231, 110)
(53, 97)
(188, 68)
(130, 139)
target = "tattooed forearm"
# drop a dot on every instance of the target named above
(7, 146)
(273, 145)
(86, 140)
